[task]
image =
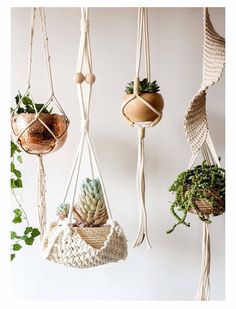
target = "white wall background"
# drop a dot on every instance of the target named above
(170, 270)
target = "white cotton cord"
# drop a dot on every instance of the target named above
(203, 292)
(41, 196)
(33, 10)
(142, 230)
(46, 48)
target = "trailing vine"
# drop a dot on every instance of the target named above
(29, 233)
(202, 183)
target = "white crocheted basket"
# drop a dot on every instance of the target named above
(84, 247)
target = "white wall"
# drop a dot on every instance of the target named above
(170, 270)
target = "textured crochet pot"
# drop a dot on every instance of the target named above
(37, 139)
(84, 247)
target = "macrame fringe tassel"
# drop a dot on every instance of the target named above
(203, 292)
(142, 231)
(41, 197)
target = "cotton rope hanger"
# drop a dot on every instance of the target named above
(142, 41)
(67, 243)
(197, 131)
(28, 128)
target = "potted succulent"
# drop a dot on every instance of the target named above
(90, 209)
(36, 138)
(200, 190)
(136, 110)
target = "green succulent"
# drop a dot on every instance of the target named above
(144, 87)
(25, 105)
(90, 210)
(63, 210)
(194, 185)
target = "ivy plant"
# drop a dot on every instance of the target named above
(197, 184)
(29, 233)
(26, 105)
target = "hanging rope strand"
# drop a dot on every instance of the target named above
(41, 196)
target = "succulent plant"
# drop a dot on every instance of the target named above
(144, 87)
(90, 210)
(63, 210)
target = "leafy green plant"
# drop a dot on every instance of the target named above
(203, 182)
(26, 105)
(29, 233)
(144, 87)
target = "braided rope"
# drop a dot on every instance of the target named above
(197, 131)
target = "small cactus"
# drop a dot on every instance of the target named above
(63, 210)
(90, 210)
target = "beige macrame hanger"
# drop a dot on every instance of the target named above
(84, 57)
(42, 174)
(142, 41)
(197, 131)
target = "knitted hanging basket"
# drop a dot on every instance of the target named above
(84, 247)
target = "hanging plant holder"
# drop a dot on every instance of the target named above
(142, 107)
(84, 234)
(209, 200)
(39, 128)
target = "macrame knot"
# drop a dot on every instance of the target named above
(84, 24)
(84, 125)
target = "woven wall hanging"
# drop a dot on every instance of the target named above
(201, 189)
(85, 235)
(39, 128)
(142, 107)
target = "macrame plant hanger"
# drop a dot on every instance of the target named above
(197, 131)
(66, 243)
(50, 130)
(142, 41)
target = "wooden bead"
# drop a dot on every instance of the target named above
(78, 78)
(90, 78)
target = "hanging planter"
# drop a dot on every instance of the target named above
(142, 107)
(38, 129)
(200, 190)
(88, 240)
(136, 110)
(85, 235)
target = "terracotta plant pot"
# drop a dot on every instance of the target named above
(206, 208)
(137, 111)
(37, 139)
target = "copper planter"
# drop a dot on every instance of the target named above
(36, 139)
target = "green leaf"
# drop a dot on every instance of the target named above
(16, 247)
(14, 148)
(17, 220)
(13, 235)
(19, 159)
(28, 230)
(35, 232)
(29, 241)
(12, 167)
(18, 212)
(12, 256)
(18, 183)
(18, 175)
